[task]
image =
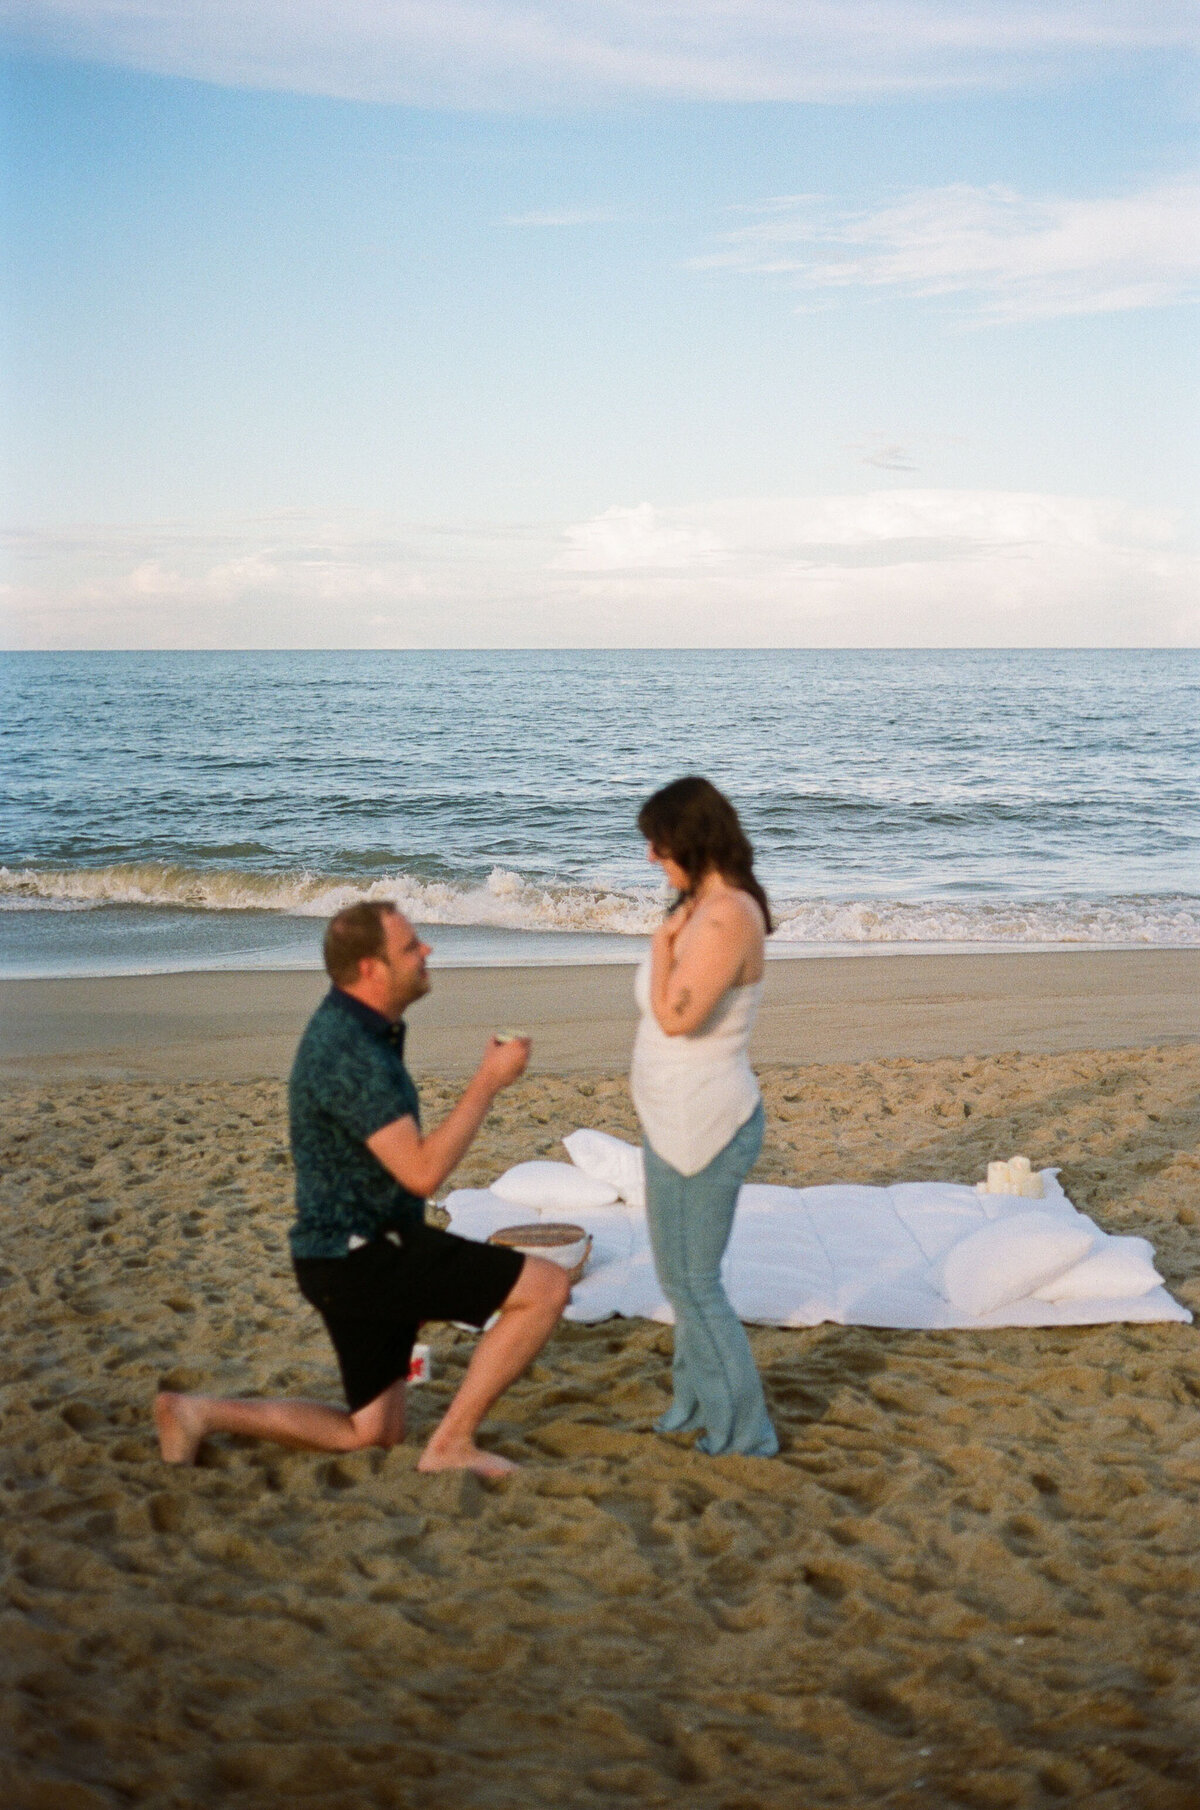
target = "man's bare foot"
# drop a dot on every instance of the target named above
(465, 1457)
(180, 1423)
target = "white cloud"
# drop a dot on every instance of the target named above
(893, 568)
(280, 582)
(153, 579)
(950, 518)
(544, 52)
(887, 568)
(637, 539)
(1014, 257)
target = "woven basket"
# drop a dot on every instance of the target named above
(550, 1241)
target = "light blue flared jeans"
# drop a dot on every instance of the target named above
(690, 1218)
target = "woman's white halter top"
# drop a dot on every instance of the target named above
(693, 1093)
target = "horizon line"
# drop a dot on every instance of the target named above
(1073, 647)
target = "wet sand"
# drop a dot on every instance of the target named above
(227, 1027)
(969, 1580)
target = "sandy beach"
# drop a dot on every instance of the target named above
(969, 1580)
(227, 1026)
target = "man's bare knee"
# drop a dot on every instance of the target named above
(541, 1285)
(381, 1422)
(384, 1436)
(553, 1283)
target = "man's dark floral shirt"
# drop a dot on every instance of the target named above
(348, 1081)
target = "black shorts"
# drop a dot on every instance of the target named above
(374, 1299)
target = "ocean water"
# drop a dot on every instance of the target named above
(190, 810)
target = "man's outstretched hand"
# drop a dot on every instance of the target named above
(421, 1162)
(504, 1061)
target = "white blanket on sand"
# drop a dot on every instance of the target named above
(855, 1256)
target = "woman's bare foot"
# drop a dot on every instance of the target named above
(180, 1423)
(465, 1457)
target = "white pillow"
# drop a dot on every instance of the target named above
(1118, 1269)
(1008, 1258)
(557, 1185)
(611, 1160)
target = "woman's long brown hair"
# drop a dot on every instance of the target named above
(695, 824)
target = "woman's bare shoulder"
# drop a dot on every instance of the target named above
(731, 909)
(747, 906)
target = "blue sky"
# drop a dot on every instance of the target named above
(505, 324)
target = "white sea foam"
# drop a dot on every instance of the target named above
(504, 900)
(509, 901)
(1149, 921)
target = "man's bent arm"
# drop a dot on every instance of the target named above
(422, 1163)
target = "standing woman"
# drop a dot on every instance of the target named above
(699, 1102)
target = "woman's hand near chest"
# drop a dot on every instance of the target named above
(708, 944)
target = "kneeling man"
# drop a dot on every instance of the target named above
(362, 1252)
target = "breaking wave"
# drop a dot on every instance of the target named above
(1153, 922)
(504, 900)
(507, 900)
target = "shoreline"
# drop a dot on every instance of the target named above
(628, 956)
(243, 1025)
